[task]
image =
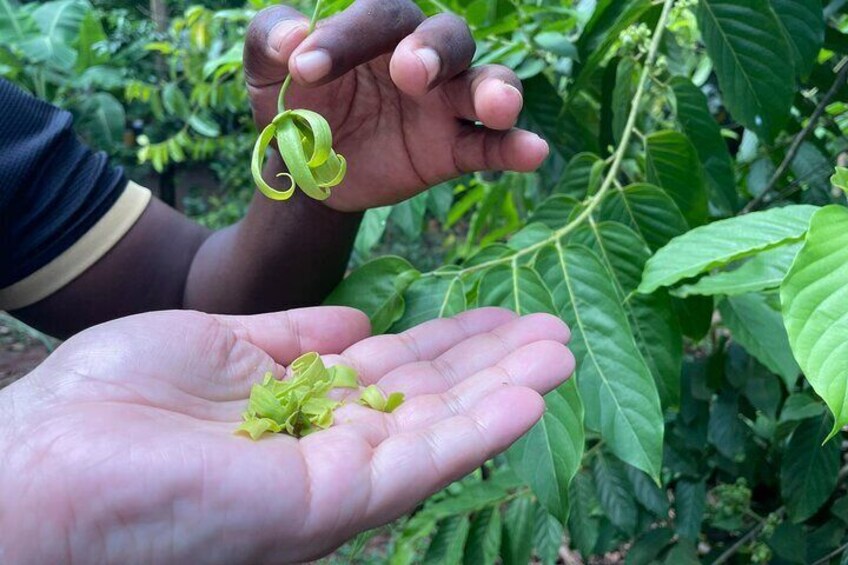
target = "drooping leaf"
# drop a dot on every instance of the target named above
(447, 544)
(804, 24)
(517, 539)
(648, 547)
(672, 164)
(618, 392)
(814, 301)
(548, 456)
(547, 537)
(763, 271)
(59, 22)
(809, 470)
(484, 538)
(647, 493)
(725, 430)
(723, 242)
(758, 328)
(377, 289)
(409, 215)
(652, 319)
(583, 519)
(647, 210)
(690, 500)
(752, 60)
(429, 298)
(700, 127)
(614, 492)
(626, 82)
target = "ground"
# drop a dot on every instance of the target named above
(21, 350)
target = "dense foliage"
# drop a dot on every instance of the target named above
(686, 227)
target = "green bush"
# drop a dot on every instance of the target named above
(686, 227)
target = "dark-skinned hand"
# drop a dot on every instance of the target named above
(406, 108)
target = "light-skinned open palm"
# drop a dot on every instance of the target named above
(121, 446)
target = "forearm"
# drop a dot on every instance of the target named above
(281, 255)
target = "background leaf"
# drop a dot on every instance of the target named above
(722, 242)
(814, 299)
(750, 55)
(377, 289)
(809, 470)
(803, 21)
(673, 165)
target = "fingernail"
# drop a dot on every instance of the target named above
(312, 66)
(431, 61)
(280, 34)
(511, 89)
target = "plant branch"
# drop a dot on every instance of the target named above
(835, 553)
(744, 540)
(799, 139)
(610, 178)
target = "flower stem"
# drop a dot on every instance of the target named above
(281, 99)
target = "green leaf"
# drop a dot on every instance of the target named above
(672, 164)
(726, 431)
(530, 234)
(448, 542)
(409, 215)
(547, 537)
(581, 176)
(371, 229)
(809, 470)
(609, 19)
(518, 288)
(548, 456)
(626, 81)
(430, 298)
(618, 392)
(175, 101)
(554, 211)
(752, 60)
(10, 25)
(700, 127)
(840, 179)
(204, 125)
(763, 271)
(648, 210)
(652, 318)
(800, 406)
(377, 289)
(517, 540)
(59, 22)
(814, 299)
(722, 242)
(583, 521)
(690, 500)
(803, 22)
(90, 33)
(557, 43)
(648, 547)
(484, 538)
(544, 109)
(758, 328)
(614, 492)
(102, 121)
(647, 493)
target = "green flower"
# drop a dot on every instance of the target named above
(305, 142)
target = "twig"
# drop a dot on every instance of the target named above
(799, 139)
(612, 173)
(835, 553)
(741, 542)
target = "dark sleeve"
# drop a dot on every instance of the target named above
(53, 188)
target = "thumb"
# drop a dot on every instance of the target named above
(271, 38)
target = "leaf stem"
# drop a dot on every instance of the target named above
(615, 167)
